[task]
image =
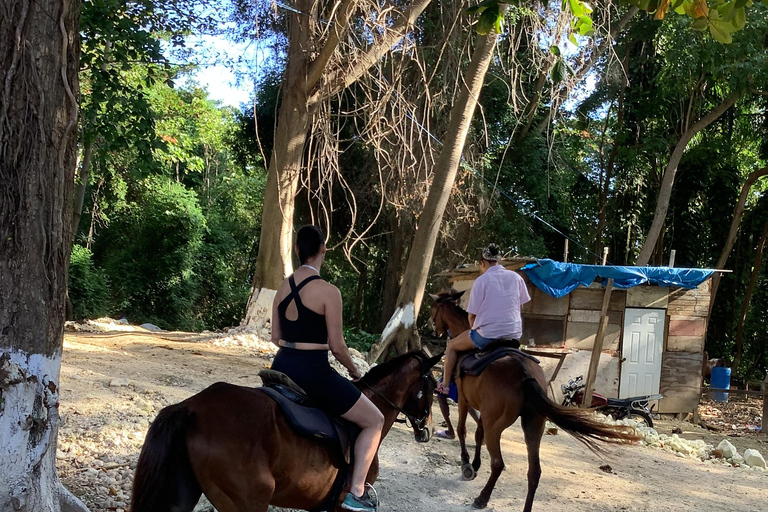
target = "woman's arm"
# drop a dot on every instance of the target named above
(333, 321)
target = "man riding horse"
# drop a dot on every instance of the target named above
(494, 311)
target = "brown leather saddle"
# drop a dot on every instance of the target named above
(473, 362)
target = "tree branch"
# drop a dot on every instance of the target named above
(340, 26)
(668, 179)
(583, 70)
(738, 213)
(347, 75)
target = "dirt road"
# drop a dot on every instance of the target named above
(113, 386)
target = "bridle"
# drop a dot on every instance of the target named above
(418, 423)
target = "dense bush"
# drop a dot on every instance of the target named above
(88, 286)
(149, 249)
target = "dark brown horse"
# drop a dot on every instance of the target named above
(510, 388)
(233, 444)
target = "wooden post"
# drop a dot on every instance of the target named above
(565, 252)
(597, 347)
(764, 423)
(672, 258)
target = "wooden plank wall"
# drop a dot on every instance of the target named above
(584, 316)
(684, 353)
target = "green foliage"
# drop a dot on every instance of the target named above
(150, 249)
(358, 339)
(88, 286)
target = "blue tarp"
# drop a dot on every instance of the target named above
(559, 279)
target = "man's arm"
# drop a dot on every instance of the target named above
(472, 320)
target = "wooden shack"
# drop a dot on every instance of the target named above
(659, 330)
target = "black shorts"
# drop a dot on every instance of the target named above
(311, 370)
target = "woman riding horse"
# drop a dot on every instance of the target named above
(306, 323)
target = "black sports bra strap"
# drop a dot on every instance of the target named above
(303, 283)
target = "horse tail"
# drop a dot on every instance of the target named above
(580, 423)
(164, 477)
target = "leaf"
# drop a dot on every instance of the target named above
(487, 20)
(680, 6)
(558, 71)
(721, 31)
(726, 10)
(662, 10)
(739, 18)
(699, 24)
(572, 39)
(554, 50)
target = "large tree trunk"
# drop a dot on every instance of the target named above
(738, 213)
(307, 81)
(747, 297)
(668, 179)
(401, 329)
(39, 51)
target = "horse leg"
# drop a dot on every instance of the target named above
(493, 442)
(533, 429)
(461, 429)
(479, 435)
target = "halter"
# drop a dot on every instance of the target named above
(416, 422)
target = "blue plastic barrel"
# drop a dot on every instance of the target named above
(721, 378)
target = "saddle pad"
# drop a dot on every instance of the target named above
(475, 363)
(306, 421)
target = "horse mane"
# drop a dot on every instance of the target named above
(379, 372)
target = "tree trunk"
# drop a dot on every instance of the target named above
(39, 52)
(668, 179)
(306, 83)
(400, 237)
(747, 297)
(401, 329)
(738, 213)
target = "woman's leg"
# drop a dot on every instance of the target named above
(460, 343)
(369, 418)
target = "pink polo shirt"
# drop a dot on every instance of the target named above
(495, 299)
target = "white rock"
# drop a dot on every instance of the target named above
(727, 448)
(754, 458)
(118, 383)
(150, 327)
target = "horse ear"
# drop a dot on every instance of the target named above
(457, 295)
(430, 363)
(434, 297)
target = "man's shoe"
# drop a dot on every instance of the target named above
(363, 503)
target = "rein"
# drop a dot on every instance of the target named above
(418, 423)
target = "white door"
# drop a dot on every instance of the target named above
(641, 352)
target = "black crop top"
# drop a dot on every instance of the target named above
(309, 327)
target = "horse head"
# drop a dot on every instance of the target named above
(445, 313)
(418, 404)
(399, 381)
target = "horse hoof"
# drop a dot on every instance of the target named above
(478, 503)
(468, 472)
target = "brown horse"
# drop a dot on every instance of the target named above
(233, 444)
(510, 388)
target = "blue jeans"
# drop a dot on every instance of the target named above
(479, 341)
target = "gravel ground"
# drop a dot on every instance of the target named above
(113, 385)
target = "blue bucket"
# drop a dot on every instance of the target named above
(721, 378)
